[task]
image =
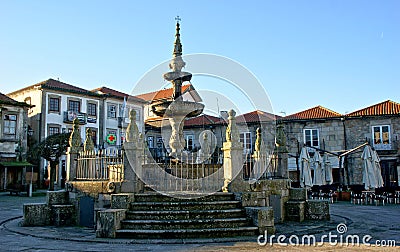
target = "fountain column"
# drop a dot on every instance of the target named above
(177, 110)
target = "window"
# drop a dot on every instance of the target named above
(10, 124)
(92, 109)
(111, 111)
(159, 142)
(381, 134)
(150, 142)
(54, 105)
(245, 138)
(311, 137)
(74, 106)
(53, 130)
(189, 142)
(123, 111)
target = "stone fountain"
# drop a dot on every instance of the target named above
(177, 110)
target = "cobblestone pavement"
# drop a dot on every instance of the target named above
(382, 223)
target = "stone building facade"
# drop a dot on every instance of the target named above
(317, 127)
(329, 131)
(13, 141)
(379, 125)
(56, 104)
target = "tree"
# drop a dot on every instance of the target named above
(51, 149)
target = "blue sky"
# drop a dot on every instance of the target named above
(343, 55)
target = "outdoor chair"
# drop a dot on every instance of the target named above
(358, 198)
(390, 198)
(331, 196)
(380, 199)
(397, 197)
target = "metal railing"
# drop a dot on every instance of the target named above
(106, 164)
(187, 172)
(263, 167)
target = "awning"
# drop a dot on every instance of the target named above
(15, 164)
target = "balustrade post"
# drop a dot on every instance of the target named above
(233, 152)
(133, 151)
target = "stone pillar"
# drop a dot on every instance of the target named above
(72, 152)
(233, 152)
(134, 149)
(176, 141)
(282, 153)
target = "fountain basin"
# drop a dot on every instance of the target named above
(177, 108)
(184, 76)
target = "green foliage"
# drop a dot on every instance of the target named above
(53, 147)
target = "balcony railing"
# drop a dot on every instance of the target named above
(383, 146)
(69, 117)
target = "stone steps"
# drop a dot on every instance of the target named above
(186, 233)
(185, 224)
(185, 214)
(181, 197)
(156, 216)
(184, 205)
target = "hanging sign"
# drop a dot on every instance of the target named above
(111, 138)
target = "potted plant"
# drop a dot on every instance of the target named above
(344, 194)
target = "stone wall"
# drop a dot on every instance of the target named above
(359, 130)
(56, 211)
(260, 194)
(330, 131)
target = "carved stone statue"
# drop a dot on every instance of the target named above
(132, 131)
(232, 133)
(257, 145)
(280, 139)
(75, 140)
(88, 145)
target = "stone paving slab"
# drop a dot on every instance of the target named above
(381, 222)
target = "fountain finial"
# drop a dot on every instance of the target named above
(177, 45)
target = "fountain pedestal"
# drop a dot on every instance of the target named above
(176, 112)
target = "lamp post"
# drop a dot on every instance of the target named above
(30, 134)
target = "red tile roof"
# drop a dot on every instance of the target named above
(384, 108)
(164, 94)
(106, 90)
(256, 116)
(201, 120)
(115, 93)
(58, 85)
(4, 99)
(317, 112)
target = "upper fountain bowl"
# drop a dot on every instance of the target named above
(177, 108)
(183, 76)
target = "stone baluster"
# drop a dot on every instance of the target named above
(233, 152)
